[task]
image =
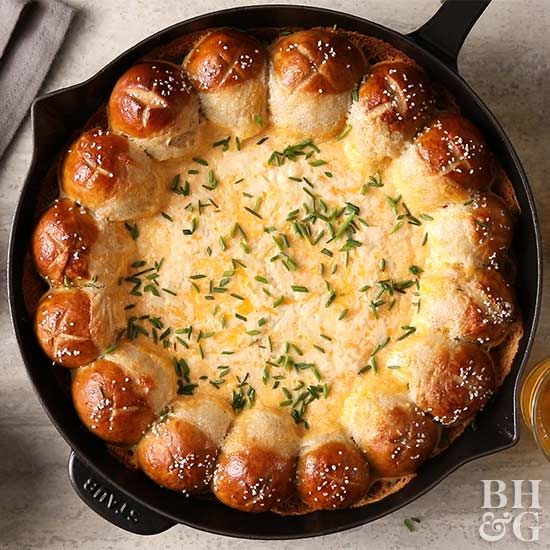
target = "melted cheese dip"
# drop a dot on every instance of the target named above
(263, 300)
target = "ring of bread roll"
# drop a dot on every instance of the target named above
(483, 227)
(390, 395)
(479, 307)
(75, 325)
(393, 104)
(447, 163)
(118, 396)
(312, 75)
(180, 450)
(395, 435)
(228, 69)
(154, 105)
(255, 470)
(450, 380)
(331, 473)
(71, 247)
(110, 175)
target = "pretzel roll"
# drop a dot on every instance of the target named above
(70, 246)
(395, 434)
(393, 105)
(117, 397)
(153, 104)
(74, 325)
(482, 231)
(312, 75)
(110, 175)
(180, 450)
(450, 380)
(228, 69)
(331, 472)
(256, 467)
(447, 163)
(479, 307)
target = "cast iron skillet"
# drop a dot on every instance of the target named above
(128, 499)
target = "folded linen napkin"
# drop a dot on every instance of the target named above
(31, 32)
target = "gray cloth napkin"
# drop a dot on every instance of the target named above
(31, 32)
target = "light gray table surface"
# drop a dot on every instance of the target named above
(506, 59)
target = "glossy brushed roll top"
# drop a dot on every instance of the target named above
(450, 380)
(224, 58)
(107, 173)
(148, 98)
(318, 61)
(331, 472)
(75, 325)
(454, 147)
(119, 396)
(181, 448)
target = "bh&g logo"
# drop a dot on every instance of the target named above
(523, 518)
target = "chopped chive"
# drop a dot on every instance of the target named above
(133, 229)
(415, 270)
(253, 212)
(343, 314)
(344, 132)
(331, 298)
(224, 143)
(194, 224)
(298, 288)
(396, 227)
(407, 331)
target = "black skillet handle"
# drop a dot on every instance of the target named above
(444, 34)
(111, 504)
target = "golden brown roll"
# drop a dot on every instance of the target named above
(452, 381)
(255, 470)
(393, 105)
(180, 450)
(110, 175)
(481, 230)
(447, 163)
(118, 397)
(396, 436)
(228, 69)
(70, 246)
(154, 105)
(478, 307)
(312, 75)
(331, 472)
(75, 325)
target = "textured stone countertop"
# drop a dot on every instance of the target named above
(506, 59)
